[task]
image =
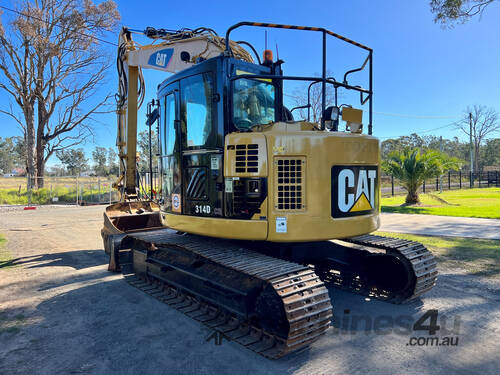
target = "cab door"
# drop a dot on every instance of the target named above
(202, 146)
(170, 141)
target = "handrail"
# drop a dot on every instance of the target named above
(228, 52)
(291, 27)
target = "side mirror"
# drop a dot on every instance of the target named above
(331, 116)
(152, 117)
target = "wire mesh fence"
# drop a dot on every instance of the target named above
(451, 180)
(59, 190)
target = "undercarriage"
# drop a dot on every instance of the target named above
(270, 297)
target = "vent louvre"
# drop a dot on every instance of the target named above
(247, 158)
(289, 183)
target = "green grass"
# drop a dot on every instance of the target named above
(477, 257)
(5, 255)
(43, 196)
(483, 202)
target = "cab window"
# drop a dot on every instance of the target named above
(253, 103)
(197, 110)
(169, 142)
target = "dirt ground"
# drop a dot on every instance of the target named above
(62, 312)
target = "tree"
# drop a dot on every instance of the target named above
(99, 156)
(449, 12)
(53, 64)
(412, 167)
(143, 146)
(10, 157)
(485, 121)
(490, 153)
(451, 147)
(113, 162)
(57, 170)
(73, 159)
(315, 99)
(401, 143)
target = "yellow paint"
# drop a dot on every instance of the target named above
(361, 204)
(322, 150)
(242, 72)
(255, 230)
(131, 130)
(230, 154)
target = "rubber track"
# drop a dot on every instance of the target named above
(304, 296)
(414, 254)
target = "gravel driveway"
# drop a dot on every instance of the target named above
(62, 312)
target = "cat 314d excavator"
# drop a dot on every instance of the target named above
(257, 213)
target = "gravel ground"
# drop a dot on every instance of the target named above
(62, 312)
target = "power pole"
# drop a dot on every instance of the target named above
(471, 152)
(441, 176)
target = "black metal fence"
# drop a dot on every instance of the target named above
(452, 180)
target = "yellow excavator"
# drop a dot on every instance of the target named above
(256, 212)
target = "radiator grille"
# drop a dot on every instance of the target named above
(289, 183)
(247, 158)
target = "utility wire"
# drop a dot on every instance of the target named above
(423, 132)
(413, 116)
(48, 23)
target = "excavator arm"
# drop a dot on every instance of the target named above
(170, 51)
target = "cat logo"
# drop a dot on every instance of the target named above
(354, 190)
(161, 58)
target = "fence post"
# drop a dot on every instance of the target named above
(449, 180)
(479, 179)
(437, 183)
(460, 178)
(392, 184)
(471, 181)
(423, 186)
(77, 190)
(99, 184)
(29, 188)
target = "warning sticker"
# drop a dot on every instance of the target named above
(281, 225)
(176, 203)
(214, 162)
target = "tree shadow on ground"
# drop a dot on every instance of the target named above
(78, 259)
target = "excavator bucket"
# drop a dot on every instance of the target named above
(123, 218)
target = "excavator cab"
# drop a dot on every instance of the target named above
(199, 107)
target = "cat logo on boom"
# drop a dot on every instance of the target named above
(354, 190)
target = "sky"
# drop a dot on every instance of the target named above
(424, 76)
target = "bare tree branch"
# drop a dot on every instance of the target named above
(54, 66)
(485, 121)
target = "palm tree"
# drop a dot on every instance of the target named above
(413, 167)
